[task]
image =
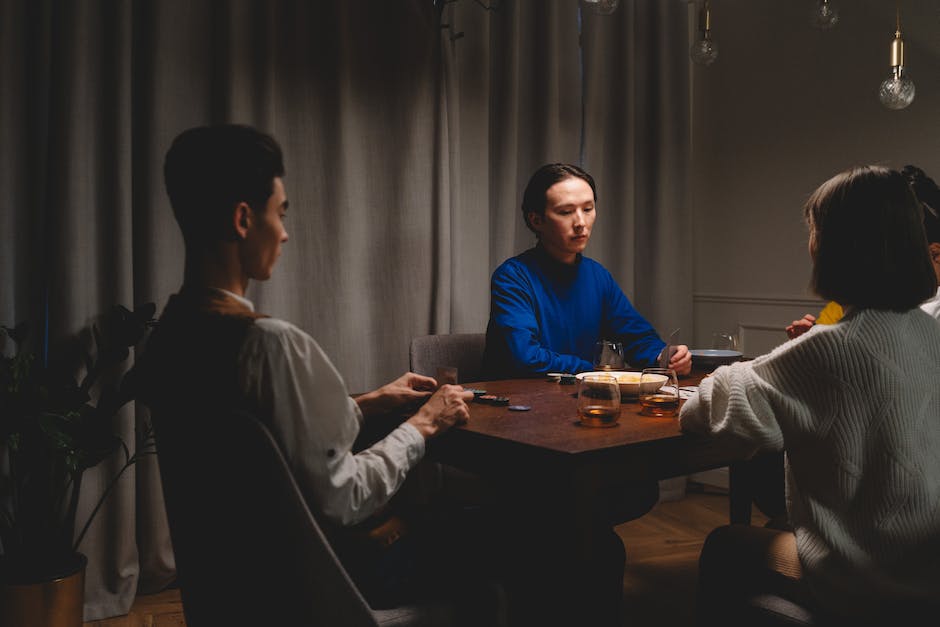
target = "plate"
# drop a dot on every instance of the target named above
(713, 357)
(629, 381)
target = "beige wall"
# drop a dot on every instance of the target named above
(783, 108)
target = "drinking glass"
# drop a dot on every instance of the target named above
(724, 340)
(599, 400)
(659, 392)
(608, 355)
(446, 374)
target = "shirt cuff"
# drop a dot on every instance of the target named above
(414, 441)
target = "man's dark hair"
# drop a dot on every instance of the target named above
(533, 199)
(869, 246)
(928, 194)
(210, 169)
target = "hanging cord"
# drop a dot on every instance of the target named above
(583, 87)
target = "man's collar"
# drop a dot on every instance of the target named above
(241, 299)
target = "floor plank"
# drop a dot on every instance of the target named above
(659, 580)
(662, 557)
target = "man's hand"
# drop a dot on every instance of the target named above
(681, 360)
(801, 326)
(404, 392)
(446, 407)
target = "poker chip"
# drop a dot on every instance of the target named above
(519, 408)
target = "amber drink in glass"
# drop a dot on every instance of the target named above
(599, 400)
(659, 392)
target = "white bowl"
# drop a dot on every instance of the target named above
(630, 381)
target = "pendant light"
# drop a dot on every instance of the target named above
(824, 15)
(897, 91)
(704, 51)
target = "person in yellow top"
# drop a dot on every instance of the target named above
(928, 193)
(830, 314)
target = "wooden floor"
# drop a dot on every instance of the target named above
(659, 582)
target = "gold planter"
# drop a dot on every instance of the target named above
(54, 602)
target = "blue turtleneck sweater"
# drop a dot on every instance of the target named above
(545, 316)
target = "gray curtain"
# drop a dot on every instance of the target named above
(407, 146)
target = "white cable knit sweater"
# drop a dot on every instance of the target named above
(856, 405)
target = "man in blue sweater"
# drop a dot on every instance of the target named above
(550, 304)
(548, 307)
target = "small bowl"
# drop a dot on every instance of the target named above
(712, 357)
(630, 382)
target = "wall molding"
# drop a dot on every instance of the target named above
(764, 301)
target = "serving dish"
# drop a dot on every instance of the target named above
(630, 381)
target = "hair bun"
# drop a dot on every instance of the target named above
(924, 187)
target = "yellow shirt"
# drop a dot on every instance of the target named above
(830, 314)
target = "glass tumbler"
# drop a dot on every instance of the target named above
(608, 355)
(659, 392)
(599, 400)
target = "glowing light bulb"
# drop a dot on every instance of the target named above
(824, 16)
(601, 7)
(704, 51)
(897, 91)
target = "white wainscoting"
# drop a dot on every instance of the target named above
(758, 321)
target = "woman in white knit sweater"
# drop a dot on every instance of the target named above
(856, 407)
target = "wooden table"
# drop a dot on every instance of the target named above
(546, 454)
(496, 440)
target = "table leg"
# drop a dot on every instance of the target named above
(740, 493)
(567, 569)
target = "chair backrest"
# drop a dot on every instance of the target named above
(248, 549)
(462, 350)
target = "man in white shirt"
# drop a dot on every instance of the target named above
(226, 188)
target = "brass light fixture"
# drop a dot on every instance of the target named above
(897, 91)
(704, 51)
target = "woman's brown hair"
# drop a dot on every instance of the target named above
(868, 243)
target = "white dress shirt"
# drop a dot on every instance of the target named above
(932, 306)
(304, 401)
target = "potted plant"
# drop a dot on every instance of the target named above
(53, 428)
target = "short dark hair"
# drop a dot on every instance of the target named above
(870, 250)
(928, 194)
(210, 169)
(533, 199)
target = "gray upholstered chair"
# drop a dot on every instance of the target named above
(248, 549)
(461, 350)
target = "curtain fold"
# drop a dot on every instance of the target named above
(407, 145)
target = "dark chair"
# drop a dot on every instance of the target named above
(248, 549)
(462, 350)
